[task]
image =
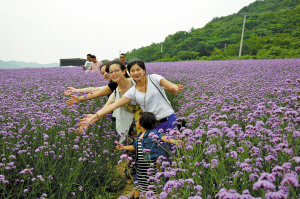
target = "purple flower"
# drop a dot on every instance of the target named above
(290, 179)
(26, 190)
(105, 151)
(163, 195)
(46, 136)
(297, 159)
(264, 184)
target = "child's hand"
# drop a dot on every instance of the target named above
(179, 143)
(120, 147)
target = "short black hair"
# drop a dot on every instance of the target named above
(147, 120)
(93, 56)
(122, 67)
(123, 54)
(89, 55)
(138, 62)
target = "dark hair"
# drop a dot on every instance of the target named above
(123, 54)
(138, 62)
(93, 56)
(105, 65)
(122, 67)
(89, 55)
(147, 120)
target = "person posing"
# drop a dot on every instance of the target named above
(148, 93)
(87, 63)
(95, 65)
(124, 115)
(105, 75)
(107, 90)
(143, 143)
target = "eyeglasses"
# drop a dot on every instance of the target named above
(122, 57)
(113, 71)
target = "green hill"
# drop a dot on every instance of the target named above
(272, 30)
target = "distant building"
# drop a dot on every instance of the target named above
(72, 62)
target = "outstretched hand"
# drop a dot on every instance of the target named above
(178, 143)
(175, 89)
(72, 101)
(120, 147)
(70, 91)
(85, 123)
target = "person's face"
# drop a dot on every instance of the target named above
(136, 72)
(89, 58)
(122, 58)
(104, 73)
(116, 73)
(94, 60)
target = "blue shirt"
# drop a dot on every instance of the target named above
(156, 150)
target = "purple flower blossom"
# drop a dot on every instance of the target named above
(263, 184)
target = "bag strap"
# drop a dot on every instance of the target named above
(160, 91)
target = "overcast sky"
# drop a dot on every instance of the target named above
(45, 31)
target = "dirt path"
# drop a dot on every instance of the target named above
(128, 188)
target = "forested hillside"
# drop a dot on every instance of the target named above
(272, 30)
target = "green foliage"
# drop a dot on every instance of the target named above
(105, 61)
(185, 55)
(269, 23)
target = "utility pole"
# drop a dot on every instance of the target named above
(240, 53)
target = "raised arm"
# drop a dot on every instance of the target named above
(129, 148)
(172, 141)
(81, 90)
(169, 86)
(90, 119)
(75, 99)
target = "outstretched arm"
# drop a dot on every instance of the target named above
(121, 147)
(173, 88)
(72, 90)
(75, 99)
(172, 141)
(92, 118)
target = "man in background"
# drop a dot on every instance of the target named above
(88, 62)
(95, 65)
(123, 59)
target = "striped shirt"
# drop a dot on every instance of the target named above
(142, 168)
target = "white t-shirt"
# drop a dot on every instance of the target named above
(87, 64)
(154, 101)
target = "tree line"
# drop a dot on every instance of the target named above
(272, 30)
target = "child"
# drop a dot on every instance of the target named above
(147, 150)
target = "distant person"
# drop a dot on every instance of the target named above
(95, 65)
(88, 62)
(123, 59)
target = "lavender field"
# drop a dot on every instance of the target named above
(241, 137)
